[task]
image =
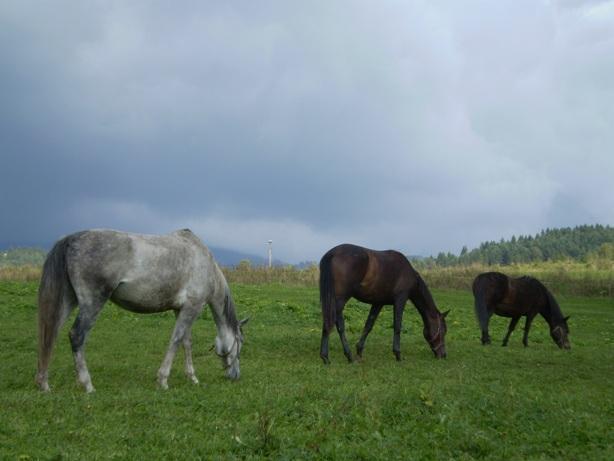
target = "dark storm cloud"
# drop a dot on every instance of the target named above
(417, 126)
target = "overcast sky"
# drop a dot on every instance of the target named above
(421, 126)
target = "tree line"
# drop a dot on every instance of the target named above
(579, 243)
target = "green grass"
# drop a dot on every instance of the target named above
(480, 403)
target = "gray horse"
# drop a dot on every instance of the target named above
(141, 273)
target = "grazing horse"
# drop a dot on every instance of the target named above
(516, 297)
(378, 278)
(143, 274)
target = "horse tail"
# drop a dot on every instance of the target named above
(55, 299)
(327, 291)
(481, 309)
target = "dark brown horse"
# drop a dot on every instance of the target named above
(379, 278)
(496, 293)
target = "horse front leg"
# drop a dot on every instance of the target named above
(183, 324)
(399, 306)
(187, 349)
(511, 327)
(189, 365)
(373, 313)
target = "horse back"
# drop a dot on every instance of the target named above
(508, 296)
(492, 287)
(98, 259)
(371, 276)
(143, 273)
(531, 293)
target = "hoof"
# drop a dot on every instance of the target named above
(398, 356)
(325, 360)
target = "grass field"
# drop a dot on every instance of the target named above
(480, 403)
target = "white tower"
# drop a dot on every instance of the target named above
(270, 243)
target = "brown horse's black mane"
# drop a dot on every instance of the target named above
(552, 309)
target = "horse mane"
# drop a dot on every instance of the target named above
(553, 306)
(230, 313)
(555, 309)
(426, 295)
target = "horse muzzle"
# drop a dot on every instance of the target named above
(233, 373)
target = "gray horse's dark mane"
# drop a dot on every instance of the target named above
(229, 311)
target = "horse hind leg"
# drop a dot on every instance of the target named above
(88, 312)
(484, 321)
(340, 322)
(324, 344)
(482, 312)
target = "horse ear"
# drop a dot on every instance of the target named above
(444, 315)
(567, 318)
(244, 321)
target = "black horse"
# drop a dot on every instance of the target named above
(516, 297)
(378, 278)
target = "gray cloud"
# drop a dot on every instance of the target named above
(416, 126)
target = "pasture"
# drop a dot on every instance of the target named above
(479, 403)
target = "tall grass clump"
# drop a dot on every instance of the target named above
(563, 277)
(20, 273)
(595, 277)
(592, 278)
(246, 273)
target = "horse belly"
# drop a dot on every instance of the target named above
(509, 310)
(142, 299)
(372, 297)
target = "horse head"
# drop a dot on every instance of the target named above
(435, 334)
(560, 333)
(228, 349)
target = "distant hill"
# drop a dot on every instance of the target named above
(36, 257)
(549, 245)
